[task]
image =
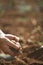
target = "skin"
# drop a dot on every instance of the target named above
(12, 38)
(4, 46)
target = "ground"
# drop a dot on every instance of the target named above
(26, 29)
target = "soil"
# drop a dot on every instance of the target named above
(32, 54)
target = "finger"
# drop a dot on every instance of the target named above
(7, 50)
(13, 38)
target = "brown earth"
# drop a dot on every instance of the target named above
(27, 27)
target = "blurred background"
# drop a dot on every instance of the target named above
(23, 18)
(20, 17)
